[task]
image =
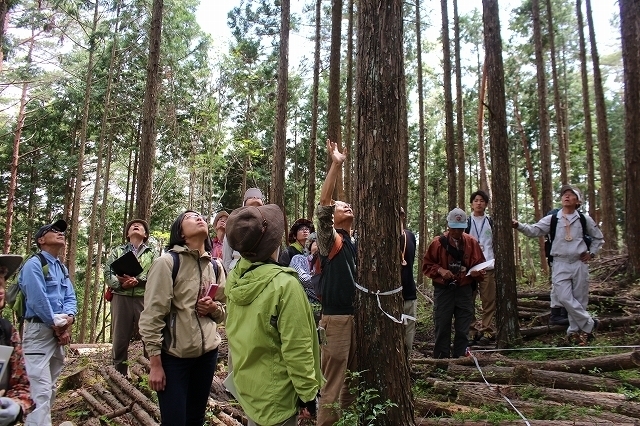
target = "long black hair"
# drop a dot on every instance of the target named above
(175, 235)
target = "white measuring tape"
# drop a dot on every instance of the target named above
(403, 318)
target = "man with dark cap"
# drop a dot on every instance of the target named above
(447, 262)
(252, 197)
(128, 292)
(572, 247)
(50, 310)
(270, 327)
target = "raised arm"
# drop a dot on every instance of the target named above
(337, 158)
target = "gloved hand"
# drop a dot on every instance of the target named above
(311, 406)
(9, 411)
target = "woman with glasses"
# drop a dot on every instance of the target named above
(179, 322)
(297, 238)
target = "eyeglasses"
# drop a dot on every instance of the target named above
(55, 231)
(192, 216)
(304, 228)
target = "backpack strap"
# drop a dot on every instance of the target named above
(214, 262)
(176, 266)
(337, 246)
(458, 255)
(468, 228)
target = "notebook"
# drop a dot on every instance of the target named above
(5, 354)
(127, 264)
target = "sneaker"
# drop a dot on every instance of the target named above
(574, 338)
(596, 324)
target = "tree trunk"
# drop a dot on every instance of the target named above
(334, 132)
(348, 125)
(97, 233)
(630, 23)
(609, 218)
(532, 183)
(448, 111)
(562, 142)
(586, 106)
(280, 142)
(545, 143)
(313, 149)
(421, 143)
(380, 340)
(459, 113)
(77, 196)
(149, 109)
(482, 158)
(15, 156)
(506, 292)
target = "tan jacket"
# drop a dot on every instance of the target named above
(169, 321)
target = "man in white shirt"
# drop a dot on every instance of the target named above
(480, 227)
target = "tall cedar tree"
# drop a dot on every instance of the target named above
(381, 112)
(459, 113)
(334, 132)
(506, 293)
(311, 199)
(586, 106)
(279, 143)
(421, 142)
(557, 103)
(448, 109)
(604, 147)
(77, 193)
(149, 109)
(543, 113)
(630, 24)
(348, 120)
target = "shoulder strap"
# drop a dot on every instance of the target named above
(457, 254)
(214, 261)
(554, 224)
(43, 263)
(490, 219)
(585, 235)
(468, 229)
(176, 266)
(337, 246)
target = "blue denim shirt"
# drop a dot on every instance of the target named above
(46, 296)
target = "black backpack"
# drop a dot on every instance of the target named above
(548, 239)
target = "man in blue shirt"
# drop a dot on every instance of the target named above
(50, 310)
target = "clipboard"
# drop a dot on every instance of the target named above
(127, 264)
(5, 354)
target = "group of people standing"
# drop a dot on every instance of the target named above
(290, 328)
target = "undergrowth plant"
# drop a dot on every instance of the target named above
(367, 407)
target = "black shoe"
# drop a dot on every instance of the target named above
(486, 340)
(556, 317)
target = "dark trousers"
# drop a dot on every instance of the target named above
(125, 314)
(449, 302)
(184, 398)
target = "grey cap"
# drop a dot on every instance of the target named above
(457, 219)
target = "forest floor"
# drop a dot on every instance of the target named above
(606, 391)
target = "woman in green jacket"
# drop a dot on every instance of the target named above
(270, 327)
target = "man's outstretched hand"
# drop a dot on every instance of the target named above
(336, 155)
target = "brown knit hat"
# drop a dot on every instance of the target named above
(144, 224)
(255, 232)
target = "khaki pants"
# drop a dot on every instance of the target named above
(338, 356)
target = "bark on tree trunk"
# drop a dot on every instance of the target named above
(380, 340)
(545, 143)
(311, 199)
(349, 106)
(608, 216)
(448, 111)
(149, 109)
(586, 106)
(421, 143)
(459, 113)
(334, 132)
(506, 292)
(630, 23)
(482, 158)
(280, 142)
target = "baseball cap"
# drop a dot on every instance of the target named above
(457, 219)
(573, 189)
(58, 225)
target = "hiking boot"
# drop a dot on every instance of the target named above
(586, 338)
(557, 317)
(486, 339)
(596, 324)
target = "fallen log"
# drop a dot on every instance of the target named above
(522, 374)
(454, 422)
(113, 402)
(606, 401)
(426, 407)
(539, 305)
(134, 393)
(605, 323)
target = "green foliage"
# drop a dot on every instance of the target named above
(366, 408)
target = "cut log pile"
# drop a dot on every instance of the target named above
(575, 391)
(122, 401)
